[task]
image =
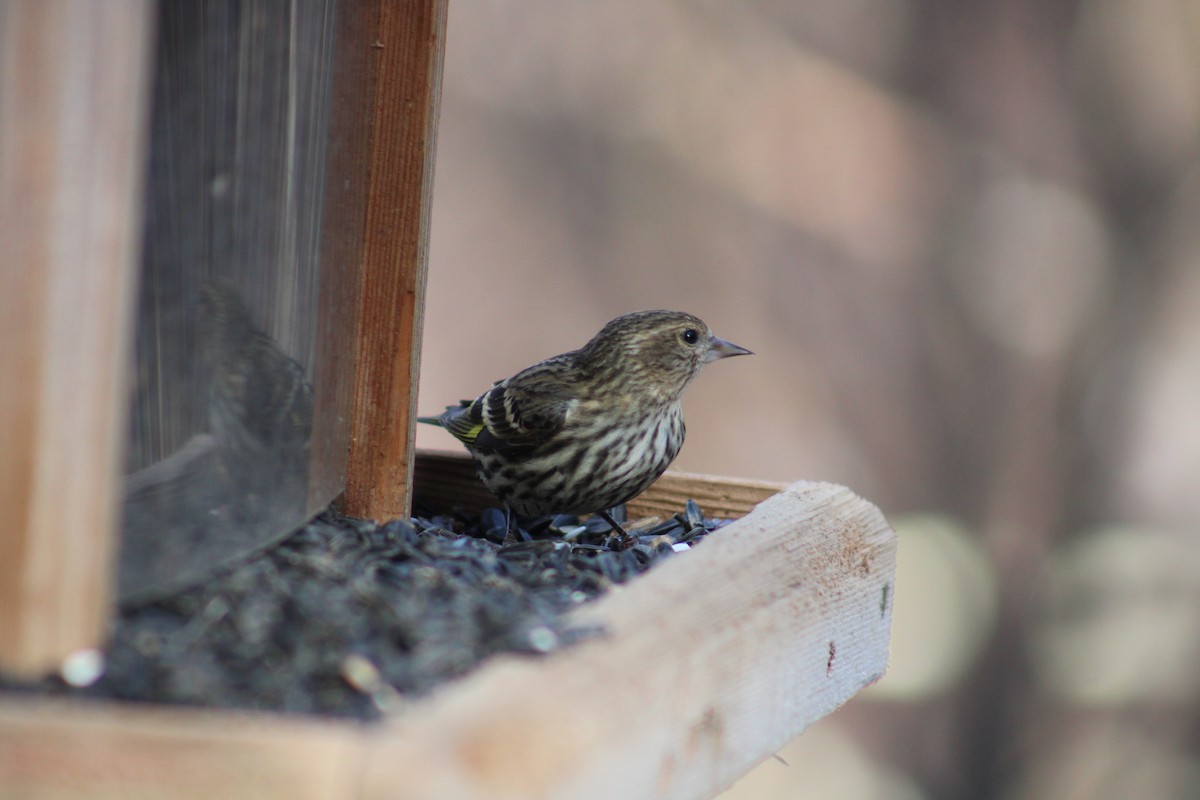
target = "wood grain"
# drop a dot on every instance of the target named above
(710, 663)
(343, 227)
(73, 95)
(447, 480)
(61, 751)
(409, 46)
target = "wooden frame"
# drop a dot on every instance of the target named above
(73, 210)
(712, 661)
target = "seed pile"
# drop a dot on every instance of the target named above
(347, 617)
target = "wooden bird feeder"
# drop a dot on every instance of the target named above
(712, 661)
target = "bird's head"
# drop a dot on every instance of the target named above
(657, 352)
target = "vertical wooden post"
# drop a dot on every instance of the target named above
(347, 178)
(409, 45)
(73, 78)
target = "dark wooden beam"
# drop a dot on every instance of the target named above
(409, 46)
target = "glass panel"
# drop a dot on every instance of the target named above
(219, 456)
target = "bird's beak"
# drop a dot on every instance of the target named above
(719, 348)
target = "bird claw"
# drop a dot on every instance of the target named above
(510, 528)
(624, 541)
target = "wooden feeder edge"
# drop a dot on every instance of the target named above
(711, 662)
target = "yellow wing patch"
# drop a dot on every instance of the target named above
(463, 429)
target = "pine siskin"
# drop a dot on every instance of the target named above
(590, 429)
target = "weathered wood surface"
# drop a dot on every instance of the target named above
(410, 45)
(712, 661)
(73, 95)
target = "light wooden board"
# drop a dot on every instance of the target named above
(73, 79)
(712, 661)
(55, 750)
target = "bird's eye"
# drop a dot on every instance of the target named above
(691, 336)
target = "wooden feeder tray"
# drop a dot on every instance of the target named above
(711, 662)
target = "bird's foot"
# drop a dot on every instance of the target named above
(510, 528)
(624, 540)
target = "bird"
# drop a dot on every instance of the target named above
(587, 430)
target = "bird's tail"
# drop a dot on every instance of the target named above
(450, 412)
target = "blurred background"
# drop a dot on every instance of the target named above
(964, 241)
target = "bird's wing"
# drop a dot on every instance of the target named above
(515, 415)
